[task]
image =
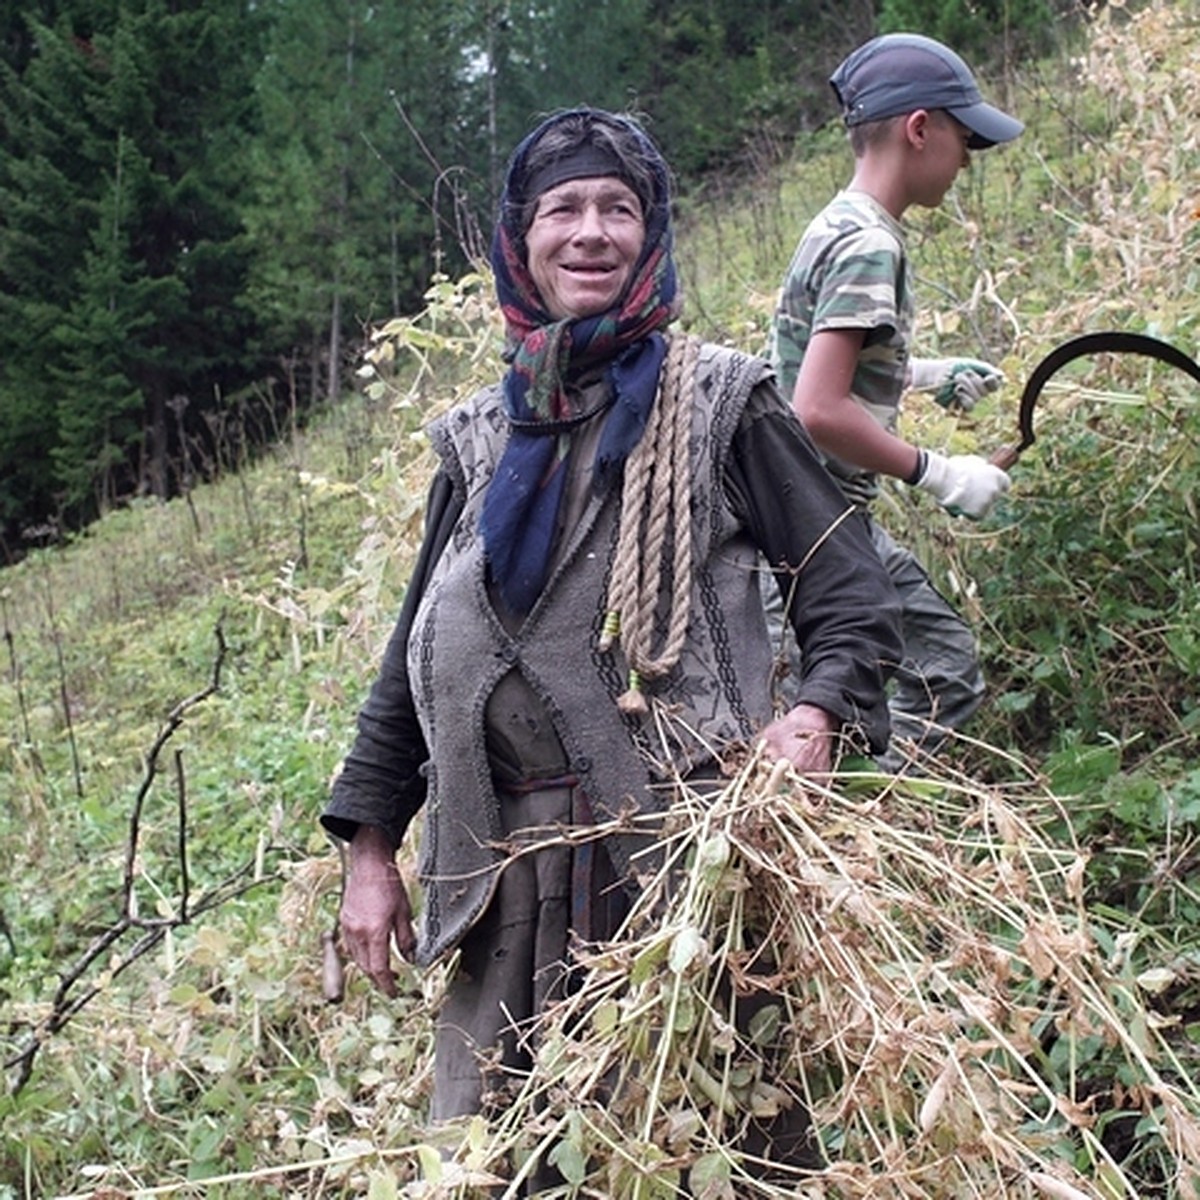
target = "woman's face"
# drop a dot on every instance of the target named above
(583, 243)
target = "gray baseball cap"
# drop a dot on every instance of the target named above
(901, 72)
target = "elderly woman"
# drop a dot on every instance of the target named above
(584, 621)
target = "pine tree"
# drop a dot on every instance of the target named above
(123, 255)
(101, 341)
(342, 186)
(45, 213)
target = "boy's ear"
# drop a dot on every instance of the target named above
(916, 127)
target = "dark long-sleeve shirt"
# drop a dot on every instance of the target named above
(787, 501)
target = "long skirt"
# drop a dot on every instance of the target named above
(515, 961)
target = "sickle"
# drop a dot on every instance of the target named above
(1080, 347)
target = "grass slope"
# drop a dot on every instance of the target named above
(164, 1011)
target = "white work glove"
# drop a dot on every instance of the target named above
(954, 382)
(965, 484)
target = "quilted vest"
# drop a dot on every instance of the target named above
(459, 649)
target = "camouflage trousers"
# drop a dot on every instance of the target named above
(938, 686)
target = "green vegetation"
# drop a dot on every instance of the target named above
(190, 1049)
(203, 205)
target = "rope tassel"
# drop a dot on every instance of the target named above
(633, 700)
(612, 629)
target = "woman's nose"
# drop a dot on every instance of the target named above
(590, 226)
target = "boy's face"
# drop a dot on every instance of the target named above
(945, 153)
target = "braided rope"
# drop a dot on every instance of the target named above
(655, 509)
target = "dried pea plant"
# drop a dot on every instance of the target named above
(904, 966)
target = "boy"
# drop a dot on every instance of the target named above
(841, 333)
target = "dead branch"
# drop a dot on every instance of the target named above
(73, 993)
(14, 667)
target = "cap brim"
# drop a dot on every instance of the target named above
(989, 126)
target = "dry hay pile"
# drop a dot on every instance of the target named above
(936, 995)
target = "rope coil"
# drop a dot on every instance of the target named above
(655, 518)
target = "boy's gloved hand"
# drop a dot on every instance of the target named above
(965, 484)
(954, 382)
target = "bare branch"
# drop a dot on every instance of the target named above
(69, 999)
(181, 799)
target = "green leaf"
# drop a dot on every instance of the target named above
(765, 1025)
(1081, 768)
(570, 1161)
(647, 962)
(710, 1177)
(430, 1162)
(381, 1187)
(605, 1017)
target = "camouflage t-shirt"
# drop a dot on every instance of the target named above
(850, 272)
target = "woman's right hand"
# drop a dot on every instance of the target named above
(375, 908)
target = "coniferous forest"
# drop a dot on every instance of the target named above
(203, 205)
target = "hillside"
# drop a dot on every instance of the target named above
(179, 684)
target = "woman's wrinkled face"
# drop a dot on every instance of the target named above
(583, 243)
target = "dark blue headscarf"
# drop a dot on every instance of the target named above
(520, 509)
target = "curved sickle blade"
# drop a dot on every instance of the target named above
(1080, 347)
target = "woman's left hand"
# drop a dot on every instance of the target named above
(803, 736)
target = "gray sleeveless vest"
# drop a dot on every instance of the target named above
(459, 649)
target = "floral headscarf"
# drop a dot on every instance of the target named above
(521, 506)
